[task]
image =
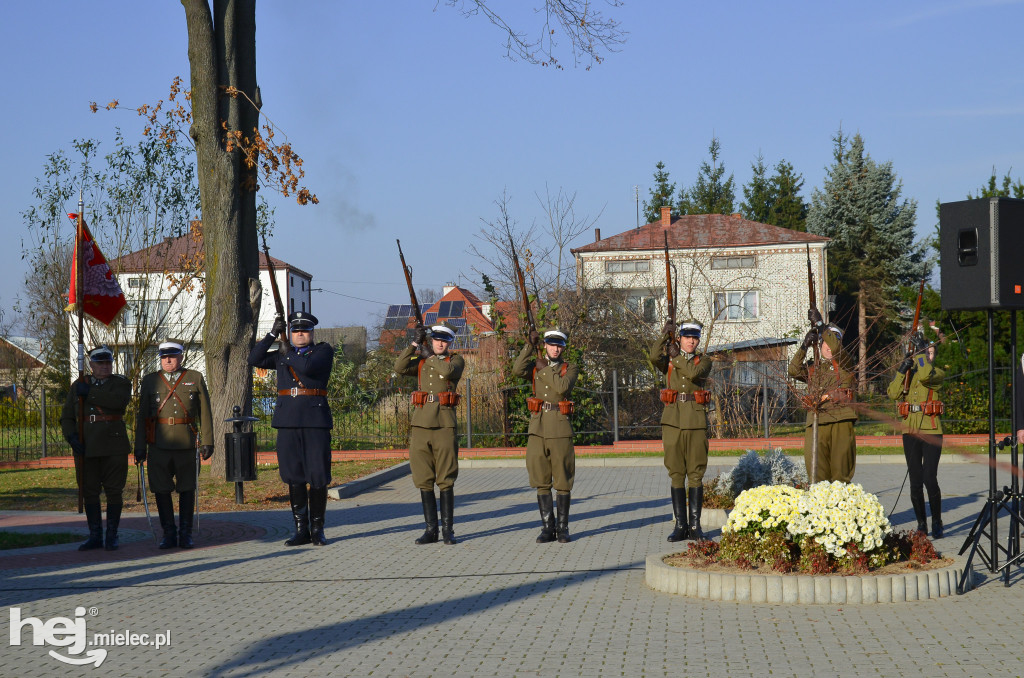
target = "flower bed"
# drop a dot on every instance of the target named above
(829, 528)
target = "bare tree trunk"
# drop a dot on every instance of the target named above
(862, 343)
(222, 53)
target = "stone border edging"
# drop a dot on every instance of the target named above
(802, 589)
(354, 487)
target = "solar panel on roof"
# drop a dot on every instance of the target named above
(443, 309)
(393, 310)
(430, 318)
(456, 309)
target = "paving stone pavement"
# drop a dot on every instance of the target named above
(373, 604)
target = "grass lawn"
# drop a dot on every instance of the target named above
(17, 540)
(55, 490)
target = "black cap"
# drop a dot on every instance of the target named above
(302, 321)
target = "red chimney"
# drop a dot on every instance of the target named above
(666, 216)
(597, 234)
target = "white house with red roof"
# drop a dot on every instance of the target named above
(744, 280)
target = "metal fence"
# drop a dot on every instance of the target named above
(764, 406)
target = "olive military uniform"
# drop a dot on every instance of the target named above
(684, 425)
(104, 460)
(174, 411)
(922, 437)
(433, 444)
(302, 417)
(829, 385)
(550, 457)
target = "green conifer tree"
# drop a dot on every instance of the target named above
(711, 194)
(789, 209)
(758, 195)
(661, 194)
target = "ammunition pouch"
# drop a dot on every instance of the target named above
(840, 395)
(701, 397)
(534, 404)
(419, 398)
(566, 407)
(932, 408)
(448, 398)
(904, 409)
(669, 396)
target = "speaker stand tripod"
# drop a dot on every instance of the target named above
(1008, 499)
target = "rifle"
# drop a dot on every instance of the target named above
(521, 279)
(412, 292)
(910, 342)
(668, 289)
(278, 304)
(814, 412)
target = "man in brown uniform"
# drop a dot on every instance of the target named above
(684, 421)
(922, 437)
(830, 392)
(103, 453)
(433, 446)
(174, 409)
(549, 451)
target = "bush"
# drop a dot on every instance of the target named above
(753, 470)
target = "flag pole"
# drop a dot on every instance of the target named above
(79, 298)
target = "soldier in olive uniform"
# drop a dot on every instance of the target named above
(922, 436)
(103, 453)
(830, 392)
(550, 458)
(174, 411)
(433, 445)
(684, 421)
(302, 417)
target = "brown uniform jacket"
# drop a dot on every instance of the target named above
(437, 374)
(193, 395)
(926, 379)
(551, 386)
(824, 380)
(689, 373)
(103, 438)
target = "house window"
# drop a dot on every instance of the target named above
(291, 278)
(733, 262)
(147, 313)
(641, 305)
(303, 307)
(136, 282)
(736, 305)
(635, 266)
(302, 284)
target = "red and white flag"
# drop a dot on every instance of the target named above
(101, 296)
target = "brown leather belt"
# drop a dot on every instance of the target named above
(549, 406)
(302, 392)
(93, 418)
(171, 421)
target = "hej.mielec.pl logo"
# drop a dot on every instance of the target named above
(70, 633)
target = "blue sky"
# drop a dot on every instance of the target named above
(412, 122)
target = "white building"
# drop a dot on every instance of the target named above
(746, 281)
(165, 295)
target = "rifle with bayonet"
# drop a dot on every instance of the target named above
(278, 303)
(813, 305)
(812, 314)
(912, 343)
(421, 330)
(670, 298)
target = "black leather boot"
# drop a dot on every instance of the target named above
(317, 509)
(165, 508)
(299, 499)
(448, 516)
(562, 531)
(917, 501)
(547, 518)
(935, 503)
(696, 506)
(681, 532)
(113, 520)
(429, 516)
(186, 512)
(94, 518)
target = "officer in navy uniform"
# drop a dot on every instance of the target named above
(174, 411)
(103, 454)
(302, 417)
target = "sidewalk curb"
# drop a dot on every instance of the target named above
(354, 487)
